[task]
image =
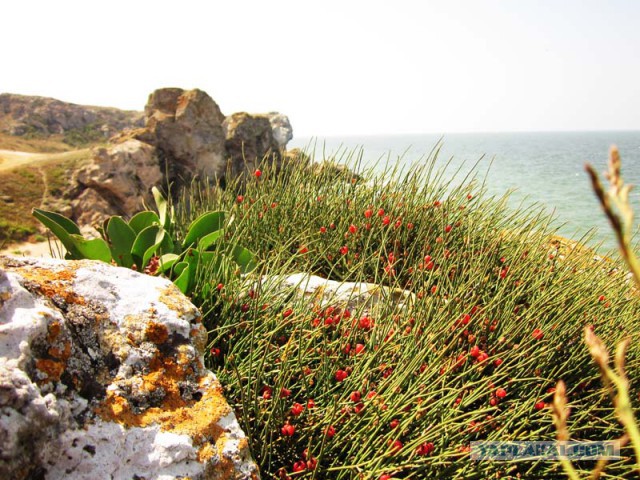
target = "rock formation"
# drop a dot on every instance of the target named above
(185, 136)
(102, 376)
(186, 129)
(21, 114)
(117, 181)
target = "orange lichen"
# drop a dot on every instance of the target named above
(52, 368)
(53, 329)
(51, 283)
(60, 354)
(157, 333)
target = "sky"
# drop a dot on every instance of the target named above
(345, 67)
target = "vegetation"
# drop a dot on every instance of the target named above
(26, 187)
(617, 208)
(327, 391)
(149, 242)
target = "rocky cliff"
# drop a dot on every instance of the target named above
(29, 115)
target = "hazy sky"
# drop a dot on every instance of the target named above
(342, 67)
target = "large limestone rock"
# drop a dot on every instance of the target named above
(186, 128)
(102, 377)
(116, 182)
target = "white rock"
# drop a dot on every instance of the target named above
(102, 377)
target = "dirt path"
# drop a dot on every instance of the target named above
(10, 159)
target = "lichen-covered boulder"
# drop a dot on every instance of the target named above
(102, 377)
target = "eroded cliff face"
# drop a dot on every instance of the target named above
(22, 114)
(102, 376)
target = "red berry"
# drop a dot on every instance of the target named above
(311, 403)
(353, 228)
(341, 375)
(359, 348)
(239, 199)
(344, 250)
(215, 352)
(300, 466)
(287, 312)
(368, 213)
(258, 173)
(303, 250)
(537, 334)
(425, 449)
(386, 220)
(475, 351)
(540, 405)
(330, 431)
(288, 430)
(267, 392)
(501, 393)
(396, 446)
(356, 396)
(493, 401)
(385, 476)
(394, 423)
(381, 212)
(220, 286)
(323, 229)
(448, 228)
(297, 409)
(497, 362)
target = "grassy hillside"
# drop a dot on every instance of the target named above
(25, 186)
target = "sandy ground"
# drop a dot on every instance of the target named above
(11, 159)
(38, 249)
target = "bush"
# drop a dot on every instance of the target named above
(498, 320)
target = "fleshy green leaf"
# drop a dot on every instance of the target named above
(209, 239)
(142, 220)
(182, 282)
(244, 258)
(163, 209)
(94, 249)
(146, 243)
(121, 238)
(62, 228)
(203, 225)
(167, 261)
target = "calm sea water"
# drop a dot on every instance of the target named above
(542, 168)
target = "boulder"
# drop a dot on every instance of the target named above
(186, 128)
(349, 295)
(102, 376)
(281, 128)
(116, 182)
(249, 141)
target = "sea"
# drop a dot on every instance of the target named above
(541, 169)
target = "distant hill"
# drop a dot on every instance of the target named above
(29, 118)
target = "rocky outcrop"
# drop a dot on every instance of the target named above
(102, 376)
(116, 181)
(281, 128)
(252, 139)
(186, 128)
(21, 114)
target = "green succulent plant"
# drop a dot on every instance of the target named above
(148, 242)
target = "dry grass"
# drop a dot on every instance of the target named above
(22, 188)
